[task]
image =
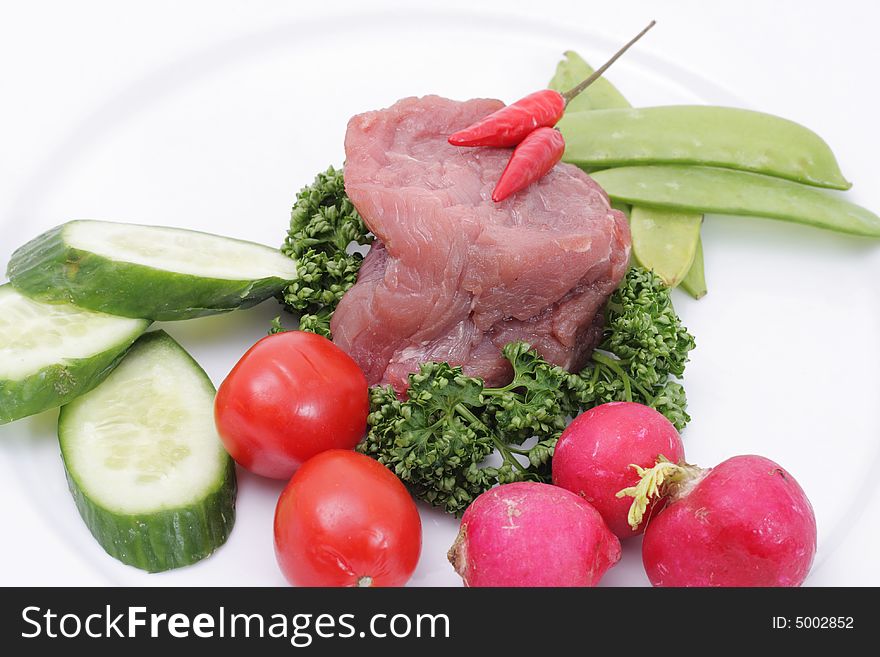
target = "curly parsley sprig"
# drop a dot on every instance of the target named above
(438, 438)
(323, 223)
(643, 351)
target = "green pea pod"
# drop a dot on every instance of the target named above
(695, 281)
(725, 191)
(599, 95)
(665, 241)
(700, 134)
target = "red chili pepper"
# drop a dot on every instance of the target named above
(509, 126)
(535, 156)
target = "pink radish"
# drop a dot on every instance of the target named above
(594, 455)
(745, 522)
(531, 534)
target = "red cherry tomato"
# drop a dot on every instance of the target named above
(291, 396)
(346, 520)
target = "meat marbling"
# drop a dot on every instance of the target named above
(454, 276)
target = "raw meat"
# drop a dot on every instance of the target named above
(454, 276)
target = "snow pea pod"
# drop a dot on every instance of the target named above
(669, 243)
(665, 241)
(725, 191)
(700, 134)
(695, 281)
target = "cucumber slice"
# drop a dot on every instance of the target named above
(52, 353)
(143, 460)
(147, 271)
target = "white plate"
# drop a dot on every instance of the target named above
(221, 141)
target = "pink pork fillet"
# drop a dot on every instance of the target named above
(454, 276)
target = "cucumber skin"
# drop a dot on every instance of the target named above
(56, 385)
(47, 269)
(167, 539)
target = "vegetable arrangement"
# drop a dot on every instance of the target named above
(744, 523)
(143, 460)
(674, 164)
(545, 499)
(437, 439)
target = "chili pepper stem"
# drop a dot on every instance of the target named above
(574, 91)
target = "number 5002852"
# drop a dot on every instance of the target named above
(823, 622)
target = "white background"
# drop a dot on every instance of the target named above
(66, 67)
